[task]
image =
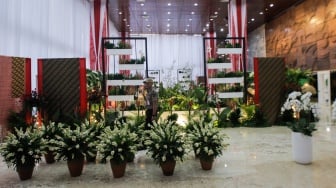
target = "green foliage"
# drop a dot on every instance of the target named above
(50, 132)
(222, 117)
(73, 144)
(17, 121)
(234, 117)
(119, 45)
(117, 144)
(23, 147)
(165, 142)
(304, 124)
(206, 140)
(253, 116)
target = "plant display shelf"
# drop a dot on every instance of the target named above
(124, 82)
(119, 51)
(120, 97)
(131, 67)
(230, 80)
(219, 65)
(229, 50)
(226, 95)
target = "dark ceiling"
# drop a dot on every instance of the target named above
(188, 16)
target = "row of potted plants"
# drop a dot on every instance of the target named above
(117, 144)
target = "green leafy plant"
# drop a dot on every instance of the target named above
(206, 140)
(23, 148)
(117, 144)
(165, 142)
(119, 45)
(50, 132)
(73, 144)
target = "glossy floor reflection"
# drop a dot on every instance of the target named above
(256, 157)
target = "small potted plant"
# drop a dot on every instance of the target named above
(50, 131)
(302, 127)
(166, 145)
(21, 150)
(115, 146)
(207, 142)
(72, 147)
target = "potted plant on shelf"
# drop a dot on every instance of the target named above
(166, 145)
(207, 142)
(115, 146)
(72, 147)
(302, 127)
(50, 131)
(22, 150)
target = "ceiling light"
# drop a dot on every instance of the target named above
(168, 12)
(120, 12)
(186, 30)
(144, 12)
(188, 25)
(216, 13)
(252, 19)
(261, 13)
(207, 25)
(168, 19)
(190, 19)
(168, 25)
(148, 25)
(192, 12)
(204, 29)
(211, 19)
(124, 19)
(140, 1)
(168, 30)
(142, 4)
(222, 29)
(195, 4)
(271, 5)
(169, 4)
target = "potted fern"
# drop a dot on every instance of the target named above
(166, 145)
(115, 146)
(207, 142)
(21, 150)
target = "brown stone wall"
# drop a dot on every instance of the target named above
(305, 35)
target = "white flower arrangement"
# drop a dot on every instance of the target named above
(165, 142)
(117, 144)
(300, 105)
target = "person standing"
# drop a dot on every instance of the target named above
(151, 102)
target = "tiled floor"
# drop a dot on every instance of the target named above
(256, 157)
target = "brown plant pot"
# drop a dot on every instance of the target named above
(49, 157)
(168, 167)
(206, 164)
(75, 167)
(90, 159)
(118, 169)
(25, 172)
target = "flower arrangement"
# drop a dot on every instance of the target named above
(117, 144)
(206, 140)
(73, 144)
(165, 142)
(23, 148)
(300, 106)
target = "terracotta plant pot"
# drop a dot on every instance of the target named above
(118, 169)
(25, 172)
(75, 167)
(168, 167)
(206, 164)
(49, 157)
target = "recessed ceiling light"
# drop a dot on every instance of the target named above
(204, 29)
(190, 19)
(211, 19)
(195, 4)
(148, 25)
(188, 25)
(252, 19)
(207, 25)
(222, 29)
(142, 4)
(168, 25)
(261, 13)
(168, 30)
(120, 12)
(169, 4)
(168, 12)
(186, 30)
(192, 12)
(124, 19)
(168, 19)
(145, 12)
(271, 5)
(216, 12)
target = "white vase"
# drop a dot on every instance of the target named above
(302, 148)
